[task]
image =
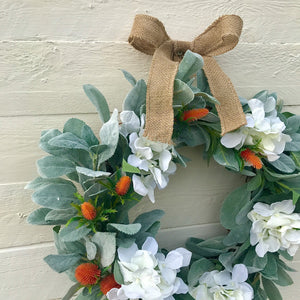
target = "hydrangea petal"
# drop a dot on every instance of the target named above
(150, 245)
(263, 209)
(139, 186)
(232, 139)
(222, 278)
(125, 254)
(186, 254)
(174, 260)
(270, 104)
(285, 206)
(239, 273)
(164, 160)
(261, 249)
(130, 122)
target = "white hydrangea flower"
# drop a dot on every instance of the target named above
(153, 158)
(263, 127)
(149, 275)
(224, 285)
(275, 227)
(130, 122)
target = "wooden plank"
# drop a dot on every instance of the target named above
(40, 78)
(24, 275)
(16, 205)
(112, 20)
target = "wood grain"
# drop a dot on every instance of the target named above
(38, 78)
(111, 20)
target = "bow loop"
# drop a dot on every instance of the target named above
(147, 34)
(220, 37)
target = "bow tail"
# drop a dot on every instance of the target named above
(230, 109)
(159, 103)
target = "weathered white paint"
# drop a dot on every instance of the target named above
(49, 49)
(29, 73)
(110, 20)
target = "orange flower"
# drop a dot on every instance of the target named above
(123, 185)
(250, 157)
(87, 273)
(88, 211)
(194, 114)
(108, 283)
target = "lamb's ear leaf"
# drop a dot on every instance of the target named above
(99, 101)
(129, 77)
(136, 98)
(62, 262)
(271, 289)
(129, 229)
(106, 243)
(198, 268)
(147, 219)
(189, 65)
(72, 291)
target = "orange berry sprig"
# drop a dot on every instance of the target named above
(108, 283)
(194, 114)
(250, 157)
(123, 185)
(87, 274)
(88, 210)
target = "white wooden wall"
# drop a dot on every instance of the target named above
(50, 48)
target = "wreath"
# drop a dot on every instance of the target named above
(86, 186)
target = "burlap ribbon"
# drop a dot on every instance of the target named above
(148, 35)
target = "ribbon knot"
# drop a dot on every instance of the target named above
(148, 35)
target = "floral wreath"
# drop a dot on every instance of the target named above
(87, 187)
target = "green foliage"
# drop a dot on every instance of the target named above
(54, 166)
(106, 243)
(126, 167)
(72, 291)
(73, 232)
(37, 217)
(129, 229)
(129, 77)
(81, 130)
(271, 289)
(198, 268)
(62, 262)
(209, 248)
(55, 195)
(136, 98)
(91, 173)
(69, 140)
(109, 136)
(117, 273)
(232, 205)
(99, 101)
(189, 65)
(284, 164)
(183, 94)
(62, 215)
(147, 219)
(91, 249)
(226, 157)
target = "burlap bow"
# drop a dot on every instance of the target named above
(148, 35)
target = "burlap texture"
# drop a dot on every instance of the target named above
(148, 35)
